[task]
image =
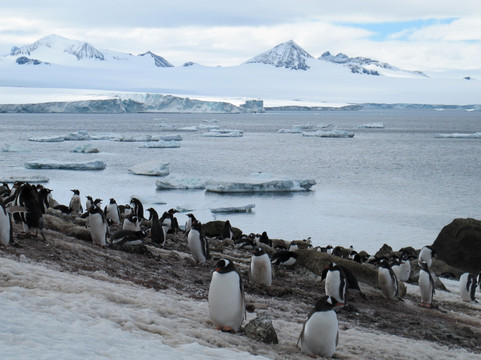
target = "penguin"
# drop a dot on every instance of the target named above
(335, 285)
(188, 224)
(75, 203)
(261, 268)
(98, 226)
(320, 332)
(284, 257)
(127, 238)
(402, 268)
(227, 232)
(137, 208)
(89, 202)
(426, 254)
(126, 209)
(198, 245)
(479, 280)
(426, 285)
(112, 211)
(158, 233)
(264, 239)
(245, 243)
(467, 287)
(387, 280)
(226, 297)
(131, 222)
(32, 218)
(6, 233)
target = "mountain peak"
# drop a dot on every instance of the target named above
(287, 54)
(159, 60)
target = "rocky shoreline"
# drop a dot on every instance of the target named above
(450, 324)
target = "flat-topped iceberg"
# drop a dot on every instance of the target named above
(330, 133)
(177, 182)
(476, 135)
(75, 136)
(48, 139)
(374, 125)
(254, 185)
(85, 149)
(58, 165)
(233, 209)
(161, 144)
(151, 168)
(25, 178)
(224, 133)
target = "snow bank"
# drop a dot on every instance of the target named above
(49, 164)
(151, 168)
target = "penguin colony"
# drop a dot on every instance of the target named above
(25, 203)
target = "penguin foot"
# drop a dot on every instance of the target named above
(228, 329)
(428, 306)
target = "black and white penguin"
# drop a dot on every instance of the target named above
(137, 208)
(98, 226)
(112, 211)
(261, 268)
(245, 242)
(284, 257)
(89, 202)
(426, 285)
(320, 332)
(226, 297)
(402, 267)
(75, 203)
(426, 254)
(131, 222)
(32, 219)
(467, 287)
(198, 245)
(335, 284)
(264, 239)
(387, 280)
(126, 238)
(158, 233)
(227, 232)
(6, 234)
(188, 223)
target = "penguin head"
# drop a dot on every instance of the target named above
(384, 263)
(325, 303)
(224, 265)
(197, 225)
(173, 211)
(97, 202)
(152, 212)
(112, 201)
(259, 251)
(75, 191)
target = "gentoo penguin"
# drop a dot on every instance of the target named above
(284, 257)
(32, 219)
(157, 231)
(131, 222)
(426, 254)
(261, 268)
(112, 211)
(426, 285)
(137, 208)
(98, 226)
(126, 238)
(264, 239)
(188, 223)
(387, 280)
(227, 232)
(467, 287)
(479, 280)
(75, 203)
(89, 202)
(320, 333)
(198, 245)
(402, 268)
(6, 234)
(245, 242)
(173, 225)
(335, 285)
(226, 297)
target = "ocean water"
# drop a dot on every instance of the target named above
(397, 185)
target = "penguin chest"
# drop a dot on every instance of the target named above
(320, 334)
(98, 229)
(195, 245)
(464, 289)
(387, 283)
(404, 271)
(226, 301)
(335, 286)
(4, 227)
(261, 270)
(425, 287)
(113, 213)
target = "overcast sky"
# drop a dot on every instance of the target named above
(411, 34)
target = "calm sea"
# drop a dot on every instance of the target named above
(397, 185)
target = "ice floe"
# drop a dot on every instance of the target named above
(330, 133)
(374, 125)
(260, 184)
(15, 148)
(75, 136)
(167, 127)
(223, 133)
(25, 178)
(85, 149)
(476, 135)
(48, 139)
(50, 164)
(234, 209)
(176, 182)
(151, 168)
(161, 144)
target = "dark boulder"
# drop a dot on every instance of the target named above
(214, 229)
(261, 329)
(459, 244)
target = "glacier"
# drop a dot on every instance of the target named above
(59, 165)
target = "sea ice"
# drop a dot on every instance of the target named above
(374, 125)
(476, 135)
(151, 168)
(15, 148)
(258, 185)
(47, 139)
(223, 133)
(233, 209)
(25, 178)
(175, 182)
(85, 149)
(50, 164)
(330, 133)
(161, 144)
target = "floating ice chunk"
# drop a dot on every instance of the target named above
(161, 144)
(374, 125)
(132, 138)
(50, 164)
(476, 135)
(15, 148)
(77, 136)
(167, 137)
(209, 127)
(295, 129)
(104, 136)
(330, 133)
(85, 149)
(211, 121)
(260, 185)
(223, 133)
(48, 139)
(235, 209)
(25, 178)
(151, 168)
(176, 182)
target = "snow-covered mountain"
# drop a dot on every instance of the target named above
(287, 55)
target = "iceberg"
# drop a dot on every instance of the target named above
(172, 182)
(254, 185)
(476, 135)
(48, 139)
(85, 149)
(161, 144)
(169, 137)
(25, 178)
(77, 136)
(151, 168)
(58, 165)
(15, 148)
(374, 125)
(224, 133)
(235, 209)
(330, 133)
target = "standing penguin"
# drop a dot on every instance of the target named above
(32, 218)
(336, 283)
(261, 268)
(137, 208)
(131, 222)
(112, 211)
(426, 254)
(6, 234)
(387, 280)
(227, 232)
(98, 226)
(169, 221)
(226, 297)
(88, 202)
(320, 333)
(157, 231)
(198, 245)
(467, 287)
(426, 285)
(188, 223)
(402, 268)
(264, 239)
(75, 204)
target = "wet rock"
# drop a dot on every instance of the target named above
(214, 229)
(262, 330)
(385, 250)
